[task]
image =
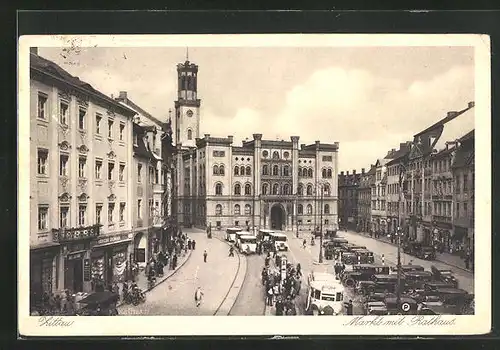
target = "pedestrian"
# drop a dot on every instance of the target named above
(193, 244)
(231, 251)
(205, 256)
(270, 296)
(174, 262)
(198, 295)
(348, 307)
(279, 307)
(189, 244)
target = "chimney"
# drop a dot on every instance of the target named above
(341, 173)
(34, 51)
(347, 173)
(230, 138)
(354, 172)
(362, 170)
(123, 95)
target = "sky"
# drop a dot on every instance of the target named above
(369, 99)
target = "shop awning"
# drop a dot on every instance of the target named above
(123, 241)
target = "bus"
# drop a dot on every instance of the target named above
(264, 234)
(325, 295)
(247, 244)
(238, 235)
(231, 234)
(279, 240)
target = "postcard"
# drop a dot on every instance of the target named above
(206, 184)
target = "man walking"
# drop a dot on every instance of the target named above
(198, 295)
(205, 256)
(231, 251)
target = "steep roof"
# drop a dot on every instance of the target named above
(141, 149)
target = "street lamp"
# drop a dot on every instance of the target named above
(321, 185)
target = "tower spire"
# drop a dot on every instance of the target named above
(187, 54)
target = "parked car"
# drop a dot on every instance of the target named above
(444, 275)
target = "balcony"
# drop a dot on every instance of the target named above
(75, 234)
(441, 218)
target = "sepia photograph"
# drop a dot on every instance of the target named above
(269, 175)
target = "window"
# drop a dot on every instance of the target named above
(139, 208)
(242, 170)
(237, 209)
(157, 176)
(111, 168)
(63, 113)
(276, 155)
(265, 170)
(309, 172)
(218, 211)
(218, 189)
(275, 170)
(111, 209)
(275, 189)
(82, 113)
(300, 190)
(43, 216)
(248, 171)
(329, 173)
(122, 131)
(41, 104)
(286, 189)
(248, 209)
(248, 190)
(121, 172)
(265, 188)
(98, 169)
(309, 190)
(64, 217)
(236, 170)
(237, 189)
(465, 209)
(236, 223)
(82, 165)
(190, 134)
(465, 183)
(110, 129)
(286, 171)
(43, 155)
(98, 119)
(216, 170)
(139, 172)
(63, 164)
(98, 213)
(323, 173)
(457, 214)
(221, 170)
(309, 209)
(300, 209)
(327, 209)
(82, 215)
(122, 212)
(326, 190)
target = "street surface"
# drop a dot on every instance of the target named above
(175, 296)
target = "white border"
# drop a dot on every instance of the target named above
(480, 323)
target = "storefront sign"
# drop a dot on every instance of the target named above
(76, 256)
(112, 239)
(86, 270)
(76, 234)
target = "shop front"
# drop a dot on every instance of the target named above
(43, 272)
(141, 251)
(110, 260)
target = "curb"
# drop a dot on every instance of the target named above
(164, 279)
(395, 245)
(232, 294)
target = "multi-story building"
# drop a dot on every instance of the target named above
(364, 195)
(262, 183)
(348, 199)
(463, 193)
(379, 189)
(81, 151)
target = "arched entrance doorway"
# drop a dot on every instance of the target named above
(277, 217)
(140, 248)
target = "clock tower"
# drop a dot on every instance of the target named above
(187, 106)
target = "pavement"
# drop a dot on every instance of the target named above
(216, 277)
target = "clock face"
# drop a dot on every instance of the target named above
(189, 113)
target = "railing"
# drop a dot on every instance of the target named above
(76, 233)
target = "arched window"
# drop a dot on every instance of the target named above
(309, 190)
(285, 170)
(216, 170)
(300, 209)
(265, 188)
(242, 170)
(326, 190)
(329, 173)
(309, 209)
(310, 172)
(323, 173)
(248, 171)
(300, 172)
(265, 170)
(276, 155)
(248, 190)
(248, 209)
(218, 189)
(275, 170)
(218, 210)
(237, 189)
(237, 209)
(327, 209)
(221, 170)
(275, 188)
(286, 189)
(300, 190)
(236, 170)
(190, 134)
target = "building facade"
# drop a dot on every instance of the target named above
(364, 194)
(379, 190)
(348, 199)
(81, 150)
(262, 183)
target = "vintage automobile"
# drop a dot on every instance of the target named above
(408, 268)
(325, 295)
(406, 306)
(337, 241)
(363, 272)
(387, 282)
(376, 308)
(444, 276)
(330, 234)
(365, 256)
(420, 250)
(99, 304)
(349, 258)
(417, 279)
(433, 286)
